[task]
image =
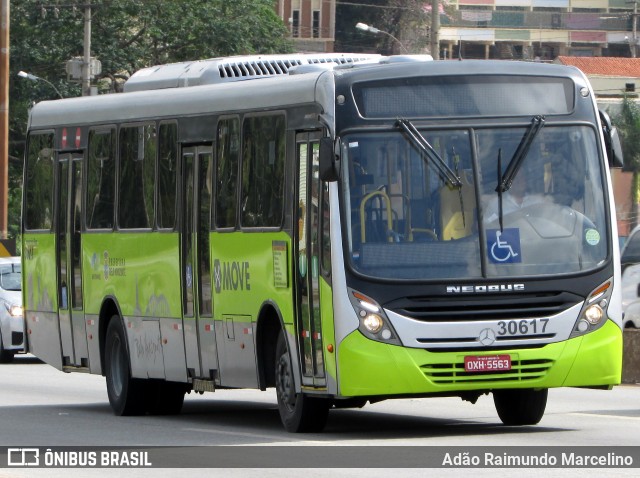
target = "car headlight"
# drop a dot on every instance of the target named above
(373, 322)
(13, 310)
(594, 311)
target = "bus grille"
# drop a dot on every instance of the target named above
(521, 371)
(478, 308)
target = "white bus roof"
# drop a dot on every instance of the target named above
(223, 70)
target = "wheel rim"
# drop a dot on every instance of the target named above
(284, 382)
(117, 373)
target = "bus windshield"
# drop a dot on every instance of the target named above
(442, 207)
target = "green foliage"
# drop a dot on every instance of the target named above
(407, 20)
(628, 124)
(126, 35)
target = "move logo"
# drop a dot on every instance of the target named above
(231, 275)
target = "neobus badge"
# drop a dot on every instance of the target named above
(479, 289)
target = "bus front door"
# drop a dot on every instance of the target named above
(308, 299)
(197, 298)
(73, 334)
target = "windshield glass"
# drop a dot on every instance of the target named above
(413, 214)
(10, 277)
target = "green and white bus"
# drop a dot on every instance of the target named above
(346, 229)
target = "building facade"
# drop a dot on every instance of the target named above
(538, 29)
(311, 23)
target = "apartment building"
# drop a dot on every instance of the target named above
(538, 29)
(311, 23)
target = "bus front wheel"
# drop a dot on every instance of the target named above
(520, 406)
(299, 412)
(126, 394)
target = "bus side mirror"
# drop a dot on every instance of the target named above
(614, 150)
(328, 164)
(612, 142)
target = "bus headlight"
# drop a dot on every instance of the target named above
(594, 312)
(374, 323)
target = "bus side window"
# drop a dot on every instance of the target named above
(38, 203)
(101, 179)
(226, 175)
(167, 175)
(263, 171)
(137, 176)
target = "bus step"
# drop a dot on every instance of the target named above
(73, 368)
(200, 385)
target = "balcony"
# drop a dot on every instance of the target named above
(534, 20)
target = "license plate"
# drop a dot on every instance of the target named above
(487, 363)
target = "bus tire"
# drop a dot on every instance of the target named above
(299, 413)
(126, 394)
(520, 406)
(6, 356)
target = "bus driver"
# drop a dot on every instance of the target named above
(516, 198)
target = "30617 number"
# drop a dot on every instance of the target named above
(522, 327)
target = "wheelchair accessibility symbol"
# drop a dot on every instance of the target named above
(504, 246)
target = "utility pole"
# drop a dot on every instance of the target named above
(635, 29)
(86, 65)
(435, 29)
(634, 22)
(4, 117)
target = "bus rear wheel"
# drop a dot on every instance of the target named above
(126, 394)
(299, 413)
(520, 406)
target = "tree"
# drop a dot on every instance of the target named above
(628, 124)
(407, 20)
(126, 35)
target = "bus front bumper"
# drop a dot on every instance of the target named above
(369, 368)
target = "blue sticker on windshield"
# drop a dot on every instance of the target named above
(504, 246)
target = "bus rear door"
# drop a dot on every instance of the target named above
(197, 299)
(73, 334)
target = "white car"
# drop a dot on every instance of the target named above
(630, 253)
(631, 296)
(630, 261)
(11, 319)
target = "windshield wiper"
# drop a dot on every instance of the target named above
(518, 157)
(427, 150)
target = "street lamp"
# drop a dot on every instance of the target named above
(29, 76)
(367, 28)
